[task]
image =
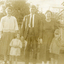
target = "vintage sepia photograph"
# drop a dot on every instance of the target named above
(31, 31)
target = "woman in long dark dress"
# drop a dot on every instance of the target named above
(47, 29)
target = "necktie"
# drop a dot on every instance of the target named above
(31, 24)
(31, 20)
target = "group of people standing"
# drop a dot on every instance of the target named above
(35, 30)
(38, 30)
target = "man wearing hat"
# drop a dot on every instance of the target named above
(30, 31)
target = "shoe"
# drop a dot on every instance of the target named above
(42, 62)
(8, 62)
(3, 62)
(47, 62)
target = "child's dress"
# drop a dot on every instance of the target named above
(55, 46)
(16, 46)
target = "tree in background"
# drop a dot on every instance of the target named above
(19, 8)
(55, 15)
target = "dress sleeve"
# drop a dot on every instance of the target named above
(11, 43)
(41, 29)
(16, 25)
(59, 42)
(2, 23)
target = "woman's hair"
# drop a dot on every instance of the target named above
(48, 11)
(8, 8)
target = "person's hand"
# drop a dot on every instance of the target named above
(40, 41)
(25, 43)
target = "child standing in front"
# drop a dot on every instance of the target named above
(24, 44)
(55, 47)
(15, 50)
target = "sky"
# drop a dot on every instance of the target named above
(46, 4)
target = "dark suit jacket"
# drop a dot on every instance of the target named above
(25, 26)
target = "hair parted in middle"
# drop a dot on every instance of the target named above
(48, 11)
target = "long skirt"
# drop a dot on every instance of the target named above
(47, 38)
(6, 39)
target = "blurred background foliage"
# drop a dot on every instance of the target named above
(19, 8)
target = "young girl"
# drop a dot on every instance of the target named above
(55, 47)
(16, 46)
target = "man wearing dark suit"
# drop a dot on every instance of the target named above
(30, 31)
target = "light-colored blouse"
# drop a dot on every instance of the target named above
(9, 24)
